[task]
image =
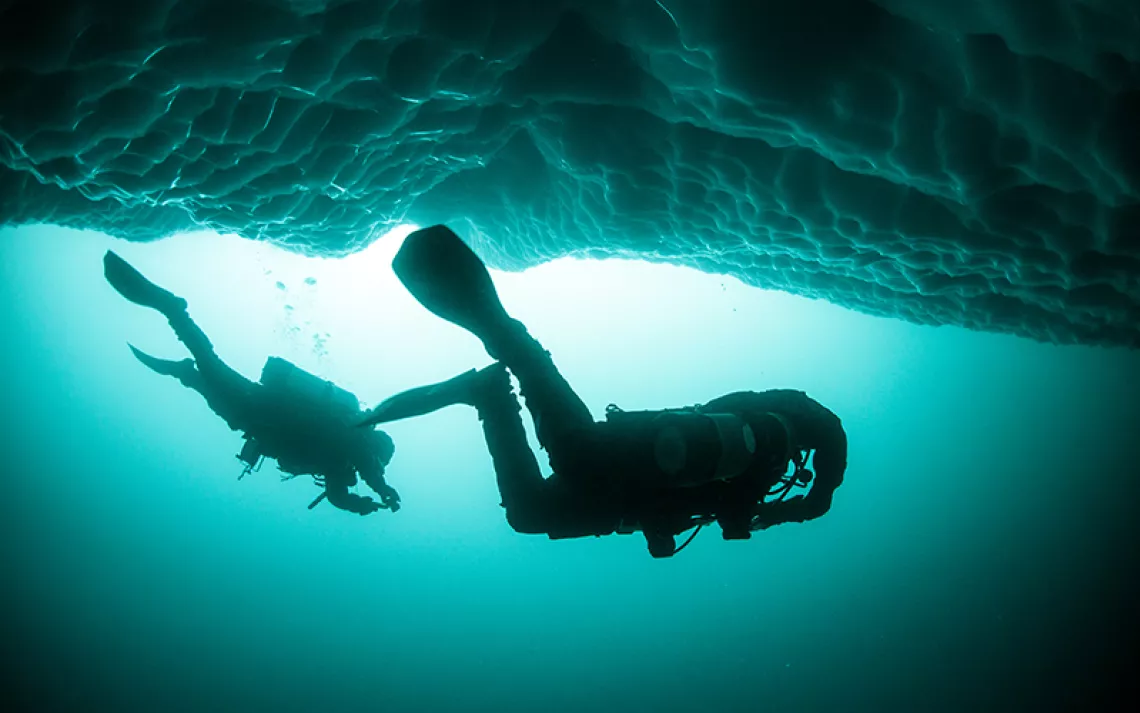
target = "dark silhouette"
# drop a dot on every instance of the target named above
(306, 424)
(660, 472)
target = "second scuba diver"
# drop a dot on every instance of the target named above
(660, 472)
(307, 424)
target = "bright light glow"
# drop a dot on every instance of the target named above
(647, 335)
(618, 327)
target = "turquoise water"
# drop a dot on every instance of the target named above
(980, 555)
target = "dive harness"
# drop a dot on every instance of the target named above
(673, 430)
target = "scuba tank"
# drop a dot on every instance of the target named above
(314, 393)
(307, 418)
(690, 447)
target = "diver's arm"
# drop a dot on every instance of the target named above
(372, 473)
(830, 463)
(828, 477)
(815, 427)
(336, 488)
(820, 429)
(372, 451)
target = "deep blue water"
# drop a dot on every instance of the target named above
(979, 557)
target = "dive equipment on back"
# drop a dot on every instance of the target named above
(312, 392)
(691, 447)
(320, 401)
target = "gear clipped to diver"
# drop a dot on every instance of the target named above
(308, 393)
(692, 447)
(253, 459)
(252, 456)
(800, 477)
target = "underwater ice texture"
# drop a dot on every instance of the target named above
(967, 162)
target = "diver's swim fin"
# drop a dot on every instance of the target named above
(130, 283)
(181, 370)
(450, 280)
(463, 389)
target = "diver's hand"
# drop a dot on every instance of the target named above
(771, 513)
(390, 497)
(339, 497)
(367, 506)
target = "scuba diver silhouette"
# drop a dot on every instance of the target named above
(661, 472)
(306, 424)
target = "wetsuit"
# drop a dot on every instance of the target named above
(604, 472)
(654, 471)
(302, 440)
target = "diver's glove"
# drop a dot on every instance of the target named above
(776, 513)
(366, 506)
(390, 497)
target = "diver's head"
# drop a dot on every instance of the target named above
(381, 444)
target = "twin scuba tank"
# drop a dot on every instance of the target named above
(691, 447)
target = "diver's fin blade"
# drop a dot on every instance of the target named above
(131, 284)
(423, 400)
(166, 367)
(409, 404)
(449, 279)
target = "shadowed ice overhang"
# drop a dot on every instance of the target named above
(965, 162)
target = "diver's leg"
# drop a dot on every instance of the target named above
(556, 409)
(339, 496)
(555, 506)
(520, 482)
(524, 493)
(190, 334)
(449, 279)
(562, 420)
(229, 405)
(132, 285)
(229, 394)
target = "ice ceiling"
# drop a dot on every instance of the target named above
(969, 162)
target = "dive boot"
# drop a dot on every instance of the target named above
(449, 279)
(467, 388)
(130, 283)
